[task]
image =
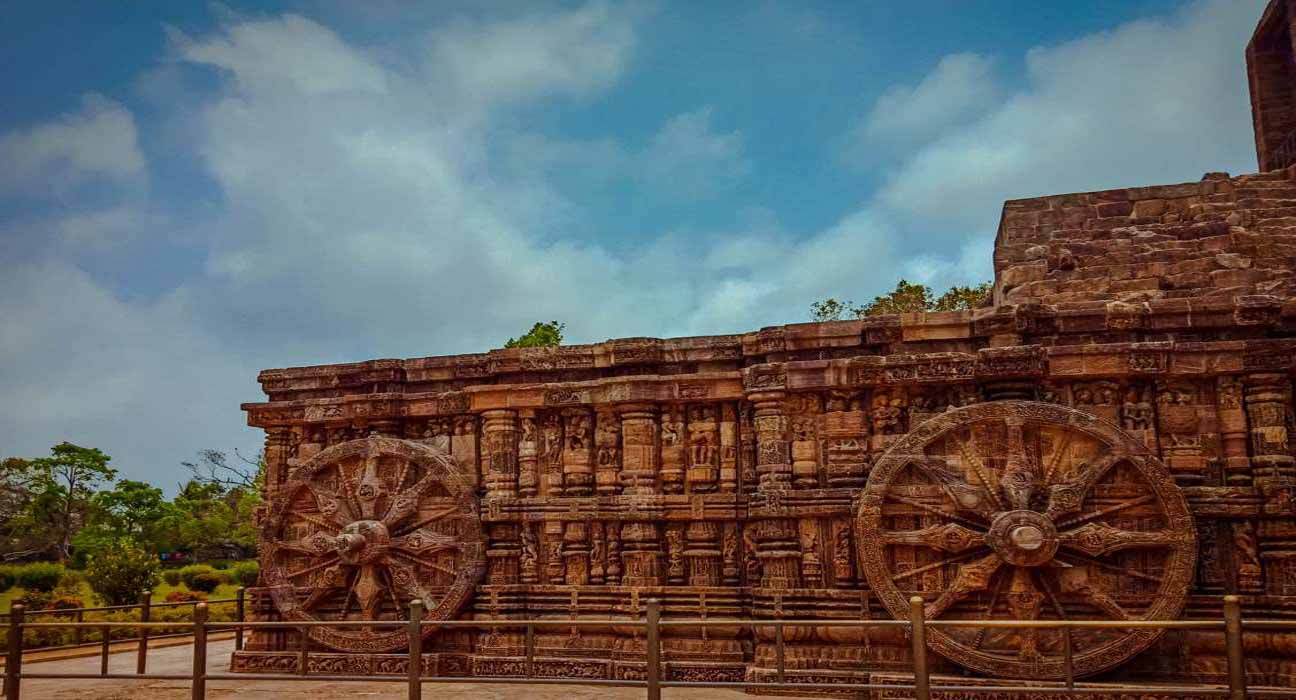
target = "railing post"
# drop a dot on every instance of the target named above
(13, 663)
(104, 641)
(922, 689)
(141, 659)
(654, 649)
(78, 634)
(779, 662)
(239, 607)
(1068, 661)
(1233, 642)
(302, 651)
(199, 687)
(416, 650)
(530, 650)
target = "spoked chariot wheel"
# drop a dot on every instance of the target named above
(365, 527)
(1017, 510)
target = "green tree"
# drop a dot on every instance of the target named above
(961, 298)
(907, 297)
(120, 570)
(541, 335)
(211, 519)
(62, 487)
(132, 510)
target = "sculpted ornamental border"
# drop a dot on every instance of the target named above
(1090, 362)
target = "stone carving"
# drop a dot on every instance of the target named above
(1000, 525)
(834, 469)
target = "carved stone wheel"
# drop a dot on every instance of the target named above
(1016, 510)
(365, 527)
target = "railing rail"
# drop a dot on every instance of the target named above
(1232, 625)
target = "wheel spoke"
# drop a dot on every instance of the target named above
(424, 563)
(1025, 602)
(405, 580)
(1076, 582)
(1071, 522)
(406, 503)
(1097, 539)
(311, 569)
(426, 542)
(316, 545)
(949, 537)
(1110, 567)
(935, 511)
(433, 515)
(1068, 496)
(965, 496)
(971, 577)
(368, 592)
(1058, 454)
(978, 468)
(1019, 477)
(330, 505)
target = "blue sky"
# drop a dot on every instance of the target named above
(194, 192)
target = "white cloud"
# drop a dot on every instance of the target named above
(538, 54)
(961, 86)
(1154, 101)
(369, 213)
(98, 141)
(688, 155)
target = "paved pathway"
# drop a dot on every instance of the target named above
(178, 659)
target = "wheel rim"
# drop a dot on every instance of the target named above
(365, 527)
(1025, 510)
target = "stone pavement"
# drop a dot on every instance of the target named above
(178, 659)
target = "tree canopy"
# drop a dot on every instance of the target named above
(541, 335)
(907, 297)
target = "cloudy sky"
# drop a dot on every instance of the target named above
(190, 193)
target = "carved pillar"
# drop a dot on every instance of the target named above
(728, 448)
(529, 557)
(502, 554)
(778, 548)
(528, 455)
(703, 452)
(702, 550)
(553, 531)
(811, 560)
(577, 464)
(575, 553)
(277, 451)
(463, 446)
(500, 440)
(676, 569)
(641, 553)
(843, 557)
(803, 413)
(845, 443)
(1180, 430)
(729, 547)
(638, 448)
(1233, 432)
(1267, 399)
(598, 555)
(747, 447)
(551, 450)
(607, 440)
(673, 450)
(613, 572)
(773, 462)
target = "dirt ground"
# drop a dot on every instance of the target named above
(178, 660)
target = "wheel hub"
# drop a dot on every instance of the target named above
(1023, 538)
(363, 542)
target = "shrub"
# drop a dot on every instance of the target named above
(6, 578)
(35, 600)
(70, 581)
(38, 576)
(246, 573)
(185, 597)
(189, 573)
(172, 577)
(120, 571)
(205, 582)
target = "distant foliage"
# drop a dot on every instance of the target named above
(185, 597)
(245, 573)
(38, 576)
(541, 335)
(205, 583)
(907, 297)
(171, 577)
(119, 571)
(190, 573)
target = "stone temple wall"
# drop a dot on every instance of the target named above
(1110, 439)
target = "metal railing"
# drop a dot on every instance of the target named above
(652, 625)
